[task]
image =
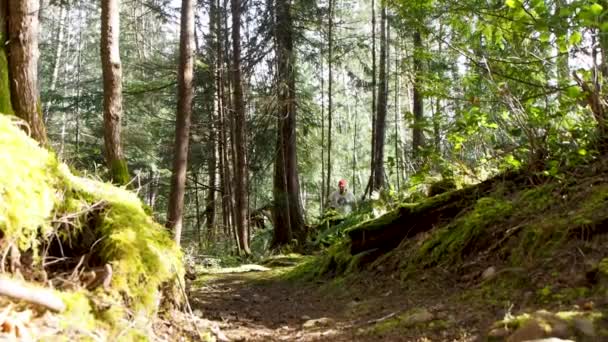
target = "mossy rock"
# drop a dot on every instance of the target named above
(580, 326)
(42, 204)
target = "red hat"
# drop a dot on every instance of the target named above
(342, 182)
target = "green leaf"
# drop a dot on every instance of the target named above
(582, 152)
(573, 92)
(604, 26)
(487, 32)
(545, 37)
(565, 12)
(575, 38)
(596, 9)
(511, 3)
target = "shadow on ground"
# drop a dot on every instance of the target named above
(259, 306)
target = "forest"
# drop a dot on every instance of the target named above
(330, 170)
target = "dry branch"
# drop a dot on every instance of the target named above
(39, 296)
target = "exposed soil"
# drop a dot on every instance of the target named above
(260, 306)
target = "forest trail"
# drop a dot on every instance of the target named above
(257, 306)
(264, 306)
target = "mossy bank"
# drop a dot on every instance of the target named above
(51, 214)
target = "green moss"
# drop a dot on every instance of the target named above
(119, 172)
(547, 320)
(382, 221)
(27, 186)
(442, 186)
(79, 316)
(535, 200)
(448, 244)
(36, 192)
(6, 106)
(132, 242)
(336, 259)
(603, 266)
(305, 271)
(410, 319)
(566, 295)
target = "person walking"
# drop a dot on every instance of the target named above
(342, 200)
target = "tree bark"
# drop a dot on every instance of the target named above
(213, 44)
(417, 132)
(397, 115)
(370, 182)
(182, 127)
(199, 239)
(112, 91)
(323, 194)
(330, 56)
(22, 17)
(380, 131)
(240, 139)
(287, 212)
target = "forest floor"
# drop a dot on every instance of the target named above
(266, 306)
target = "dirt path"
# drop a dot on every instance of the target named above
(259, 306)
(249, 308)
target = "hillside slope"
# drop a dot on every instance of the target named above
(509, 246)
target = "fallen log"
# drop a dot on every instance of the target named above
(386, 232)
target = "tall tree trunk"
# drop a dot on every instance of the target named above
(370, 182)
(397, 114)
(22, 17)
(213, 45)
(240, 139)
(112, 91)
(199, 239)
(378, 182)
(355, 143)
(229, 121)
(437, 111)
(330, 108)
(323, 194)
(211, 184)
(563, 70)
(222, 125)
(417, 132)
(287, 211)
(182, 127)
